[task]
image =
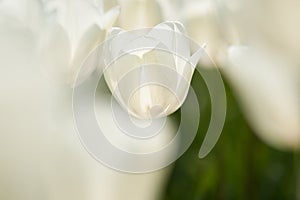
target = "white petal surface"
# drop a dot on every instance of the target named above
(164, 47)
(76, 27)
(269, 95)
(75, 17)
(139, 14)
(92, 37)
(28, 13)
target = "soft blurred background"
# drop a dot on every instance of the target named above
(240, 166)
(256, 46)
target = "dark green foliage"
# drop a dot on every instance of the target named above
(240, 166)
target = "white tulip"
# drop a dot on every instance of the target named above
(267, 90)
(76, 28)
(266, 75)
(200, 17)
(273, 25)
(41, 156)
(163, 45)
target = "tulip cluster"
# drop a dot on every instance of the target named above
(45, 44)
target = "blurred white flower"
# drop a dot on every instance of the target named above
(40, 154)
(163, 45)
(269, 94)
(76, 28)
(201, 19)
(266, 74)
(268, 68)
(139, 14)
(272, 25)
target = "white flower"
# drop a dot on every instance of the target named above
(270, 25)
(267, 90)
(266, 74)
(76, 28)
(268, 68)
(200, 17)
(41, 156)
(144, 61)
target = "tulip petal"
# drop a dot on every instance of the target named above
(110, 17)
(173, 35)
(269, 95)
(93, 36)
(76, 17)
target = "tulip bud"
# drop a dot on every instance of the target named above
(149, 71)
